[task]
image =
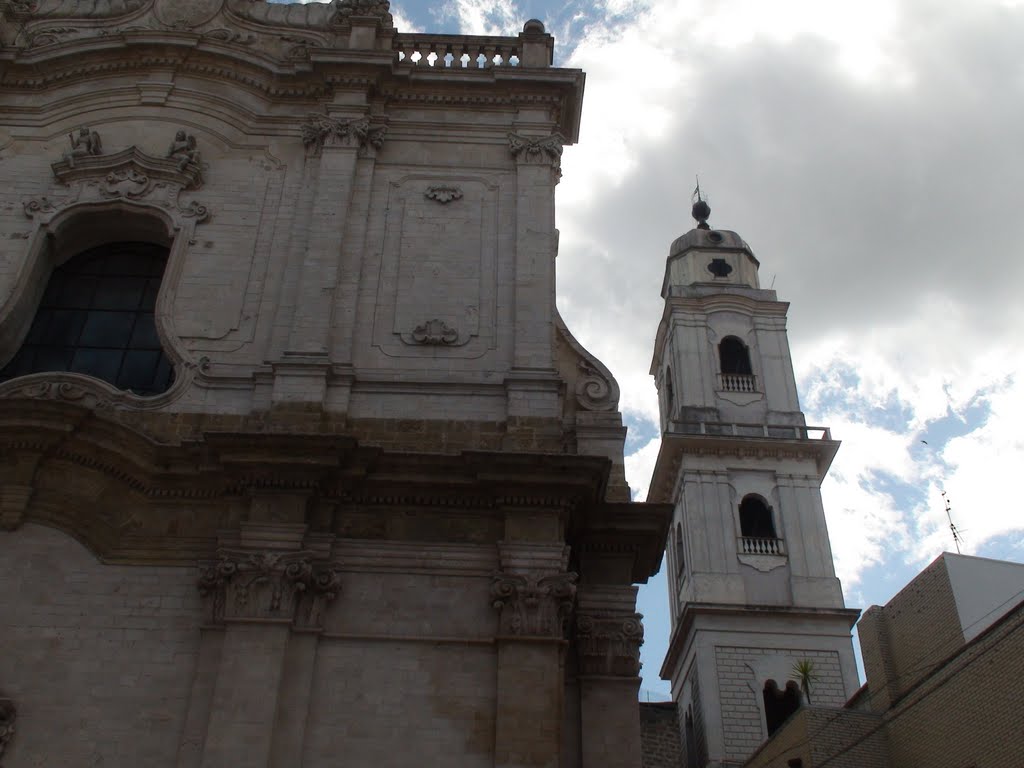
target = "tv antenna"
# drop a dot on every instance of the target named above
(957, 538)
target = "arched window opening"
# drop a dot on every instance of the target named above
(779, 704)
(734, 359)
(690, 741)
(670, 395)
(96, 317)
(680, 558)
(757, 527)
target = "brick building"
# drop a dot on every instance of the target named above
(944, 659)
(298, 463)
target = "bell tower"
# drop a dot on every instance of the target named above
(753, 591)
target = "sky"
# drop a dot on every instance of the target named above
(872, 154)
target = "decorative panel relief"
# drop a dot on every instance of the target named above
(438, 286)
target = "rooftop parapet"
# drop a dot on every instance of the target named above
(533, 47)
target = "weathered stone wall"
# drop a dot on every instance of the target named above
(742, 673)
(97, 659)
(660, 732)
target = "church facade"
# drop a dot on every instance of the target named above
(298, 463)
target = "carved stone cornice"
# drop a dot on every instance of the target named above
(609, 645)
(8, 714)
(313, 16)
(533, 605)
(286, 587)
(322, 130)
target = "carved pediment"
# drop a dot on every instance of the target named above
(130, 172)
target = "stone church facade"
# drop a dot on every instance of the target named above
(298, 463)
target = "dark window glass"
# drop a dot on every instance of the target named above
(756, 519)
(734, 357)
(96, 318)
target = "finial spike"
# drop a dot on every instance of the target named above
(701, 211)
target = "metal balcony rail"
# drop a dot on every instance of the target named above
(457, 51)
(724, 429)
(756, 545)
(738, 382)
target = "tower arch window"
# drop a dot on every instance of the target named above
(756, 518)
(97, 317)
(734, 361)
(779, 704)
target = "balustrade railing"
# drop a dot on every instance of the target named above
(755, 545)
(457, 51)
(739, 382)
(729, 429)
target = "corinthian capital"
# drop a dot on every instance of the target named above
(268, 586)
(537, 149)
(322, 130)
(534, 605)
(609, 645)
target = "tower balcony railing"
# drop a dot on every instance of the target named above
(531, 48)
(738, 382)
(760, 545)
(730, 429)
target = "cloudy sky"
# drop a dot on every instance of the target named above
(872, 154)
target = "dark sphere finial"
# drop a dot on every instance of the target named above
(701, 212)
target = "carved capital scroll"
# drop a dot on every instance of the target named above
(609, 645)
(537, 150)
(268, 586)
(322, 130)
(533, 605)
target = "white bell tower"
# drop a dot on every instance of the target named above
(751, 580)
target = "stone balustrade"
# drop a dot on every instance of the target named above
(779, 431)
(757, 545)
(738, 382)
(457, 51)
(533, 47)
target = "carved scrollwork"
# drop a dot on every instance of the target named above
(436, 332)
(443, 194)
(8, 714)
(320, 16)
(595, 388)
(609, 645)
(532, 149)
(92, 393)
(49, 36)
(322, 130)
(272, 586)
(65, 9)
(225, 35)
(41, 206)
(533, 605)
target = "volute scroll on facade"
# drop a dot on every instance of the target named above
(609, 645)
(290, 587)
(534, 605)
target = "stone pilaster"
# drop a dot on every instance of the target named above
(267, 598)
(534, 609)
(333, 146)
(608, 634)
(532, 386)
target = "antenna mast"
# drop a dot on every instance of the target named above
(957, 538)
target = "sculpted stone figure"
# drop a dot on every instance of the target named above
(84, 144)
(183, 149)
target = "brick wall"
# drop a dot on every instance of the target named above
(740, 690)
(660, 735)
(97, 659)
(968, 712)
(903, 640)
